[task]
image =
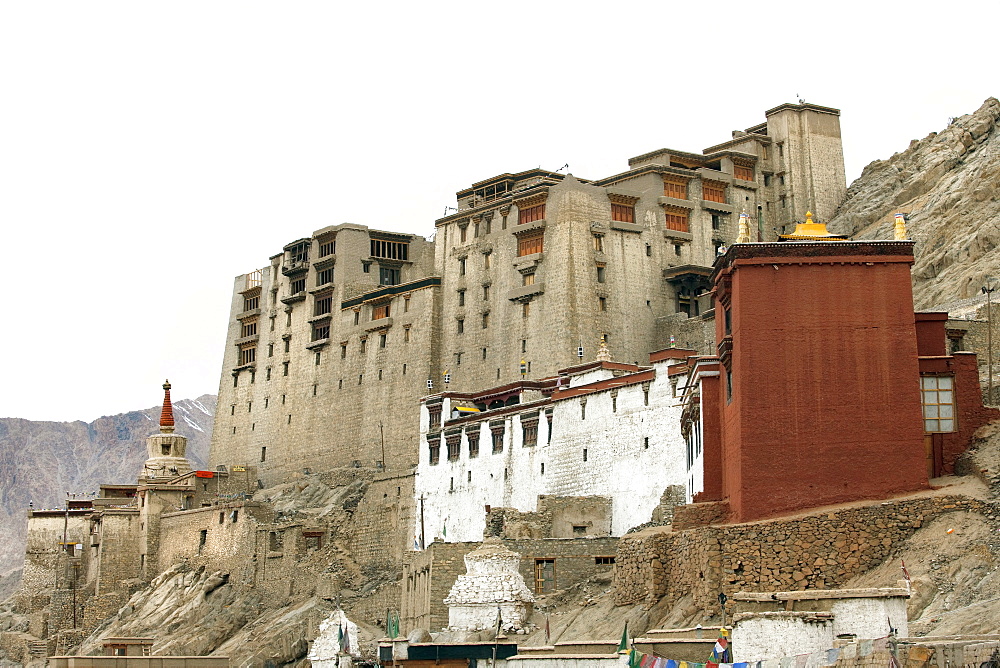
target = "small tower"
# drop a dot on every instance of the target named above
(166, 451)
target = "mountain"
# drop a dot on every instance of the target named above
(41, 461)
(948, 184)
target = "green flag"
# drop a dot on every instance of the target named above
(623, 645)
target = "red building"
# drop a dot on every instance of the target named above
(827, 387)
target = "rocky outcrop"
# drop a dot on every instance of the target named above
(948, 184)
(40, 461)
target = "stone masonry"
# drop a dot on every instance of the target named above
(331, 345)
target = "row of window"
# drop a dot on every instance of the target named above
(529, 438)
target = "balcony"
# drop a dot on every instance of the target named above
(293, 267)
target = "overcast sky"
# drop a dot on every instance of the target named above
(150, 152)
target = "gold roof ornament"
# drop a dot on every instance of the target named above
(900, 228)
(811, 231)
(744, 234)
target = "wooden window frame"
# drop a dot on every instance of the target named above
(381, 311)
(623, 213)
(675, 187)
(743, 172)
(931, 389)
(677, 219)
(531, 214)
(390, 249)
(531, 243)
(713, 191)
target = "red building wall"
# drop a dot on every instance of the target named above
(825, 404)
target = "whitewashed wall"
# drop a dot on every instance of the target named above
(772, 635)
(619, 463)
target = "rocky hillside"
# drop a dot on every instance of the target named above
(948, 183)
(40, 461)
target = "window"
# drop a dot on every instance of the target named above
(343, 350)
(391, 250)
(604, 561)
(325, 276)
(781, 149)
(381, 344)
(458, 362)
(496, 434)
(525, 309)
(531, 214)
(313, 539)
(784, 204)
(454, 442)
(462, 232)
(676, 188)
(270, 350)
(248, 327)
(486, 292)
(781, 179)
(357, 316)
(545, 576)
(716, 221)
(461, 325)
(530, 243)
(298, 285)
(406, 335)
(599, 242)
(461, 297)
(528, 279)
(602, 303)
(524, 345)
(284, 368)
(380, 311)
(472, 434)
(743, 172)
(364, 344)
(366, 267)
(677, 219)
(938, 399)
(486, 324)
(461, 266)
(388, 276)
(288, 344)
(324, 304)
(248, 354)
(585, 454)
(763, 152)
(767, 179)
(529, 434)
(486, 260)
(601, 273)
(251, 303)
(434, 449)
(321, 330)
(623, 213)
(327, 248)
(713, 191)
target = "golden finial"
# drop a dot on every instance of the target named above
(900, 231)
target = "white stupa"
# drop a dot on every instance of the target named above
(492, 583)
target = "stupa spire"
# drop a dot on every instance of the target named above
(167, 414)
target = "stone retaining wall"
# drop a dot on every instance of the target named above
(815, 552)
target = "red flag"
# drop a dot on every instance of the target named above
(906, 573)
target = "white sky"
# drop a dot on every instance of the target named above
(150, 152)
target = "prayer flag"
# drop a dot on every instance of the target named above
(623, 645)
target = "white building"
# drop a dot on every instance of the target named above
(598, 429)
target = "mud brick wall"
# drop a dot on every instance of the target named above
(815, 552)
(384, 521)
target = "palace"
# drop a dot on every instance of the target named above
(333, 343)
